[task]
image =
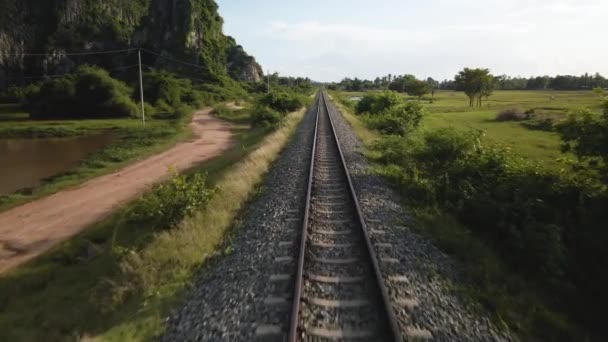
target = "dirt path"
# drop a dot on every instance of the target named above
(29, 230)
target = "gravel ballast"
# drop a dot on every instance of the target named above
(234, 296)
(431, 307)
(245, 295)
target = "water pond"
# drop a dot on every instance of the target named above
(24, 163)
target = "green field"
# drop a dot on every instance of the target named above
(450, 109)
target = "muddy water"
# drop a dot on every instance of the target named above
(24, 163)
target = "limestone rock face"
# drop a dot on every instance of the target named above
(188, 30)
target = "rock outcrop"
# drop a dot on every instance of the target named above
(189, 30)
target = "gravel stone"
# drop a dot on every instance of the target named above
(427, 270)
(227, 300)
(226, 303)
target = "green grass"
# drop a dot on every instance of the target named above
(241, 115)
(133, 142)
(540, 146)
(489, 285)
(117, 281)
(12, 112)
(450, 109)
(513, 302)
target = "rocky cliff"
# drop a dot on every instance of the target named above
(188, 30)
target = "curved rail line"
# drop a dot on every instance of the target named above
(339, 291)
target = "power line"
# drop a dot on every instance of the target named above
(182, 75)
(105, 52)
(173, 59)
(76, 73)
(70, 53)
(120, 68)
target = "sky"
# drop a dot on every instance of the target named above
(332, 39)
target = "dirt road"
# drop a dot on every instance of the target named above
(29, 230)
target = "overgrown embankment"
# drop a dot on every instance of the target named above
(530, 240)
(117, 280)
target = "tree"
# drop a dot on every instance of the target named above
(418, 88)
(475, 83)
(488, 84)
(586, 135)
(599, 91)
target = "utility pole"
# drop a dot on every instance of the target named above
(268, 72)
(141, 91)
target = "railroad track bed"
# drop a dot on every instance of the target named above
(420, 282)
(249, 294)
(338, 292)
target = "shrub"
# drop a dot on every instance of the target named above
(263, 116)
(165, 87)
(168, 203)
(545, 225)
(397, 120)
(511, 114)
(377, 103)
(16, 94)
(542, 121)
(91, 93)
(283, 102)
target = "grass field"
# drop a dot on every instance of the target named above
(514, 302)
(450, 109)
(74, 292)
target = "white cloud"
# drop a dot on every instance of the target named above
(515, 37)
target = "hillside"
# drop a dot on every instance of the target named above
(188, 30)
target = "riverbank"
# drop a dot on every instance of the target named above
(33, 228)
(132, 142)
(119, 279)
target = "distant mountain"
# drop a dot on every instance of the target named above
(189, 30)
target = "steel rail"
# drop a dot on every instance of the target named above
(294, 319)
(396, 332)
(293, 325)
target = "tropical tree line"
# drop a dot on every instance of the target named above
(502, 82)
(559, 82)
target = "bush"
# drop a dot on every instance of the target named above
(165, 90)
(542, 121)
(91, 93)
(378, 103)
(283, 102)
(168, 203)
(262, 116)
(511, 114)
(397, 120)
(548, 226)
(16, 94)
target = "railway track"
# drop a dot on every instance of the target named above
(339, 293)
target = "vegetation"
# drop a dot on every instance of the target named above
(511, 114)
(93, 94)
(117, 24)
(586, 135)
(540, 229)
(270, 109)
(476, 83)
(90, 93)
(502, 82)
(118, 280)
(387, 113)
